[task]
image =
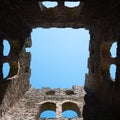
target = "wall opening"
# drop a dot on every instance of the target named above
(48, 4)
(47, 110)
(6, 70)
(48, 114)
(6, 48)
(113, 50)
(69, 114)
(72, 4)
(59, 55)
(70, 107)
(113, 71)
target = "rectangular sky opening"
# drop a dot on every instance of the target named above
(59, 57)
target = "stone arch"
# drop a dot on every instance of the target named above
(47, 106)
(70, 105)
(112, 72)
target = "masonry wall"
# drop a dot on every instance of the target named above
(35, 101)
(99, 79)
(16, 84)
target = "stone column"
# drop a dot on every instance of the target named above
(58, 110)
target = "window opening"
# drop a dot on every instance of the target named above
(72, 4)
(48, 114)
(6, 70)
(47, 110)
(113, 49)
(6, 48)
(60, 56)
(113, 72)
(70, 107)
(69, 114)
(50, 4)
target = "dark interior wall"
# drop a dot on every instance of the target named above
(14, 29)
(15, 85)
(98, 78)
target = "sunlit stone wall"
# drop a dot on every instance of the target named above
(35, 101)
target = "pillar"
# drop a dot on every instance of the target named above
(58, 110)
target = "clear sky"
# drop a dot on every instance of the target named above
(59, 57)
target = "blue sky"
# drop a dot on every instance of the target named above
(59, 57)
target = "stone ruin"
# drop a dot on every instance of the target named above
(35, 101)
(100, 99)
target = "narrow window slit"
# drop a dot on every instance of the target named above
(50, 4)
(113, 72)
(6, 48)
(72, 4)
(6, 70)
(113, 49)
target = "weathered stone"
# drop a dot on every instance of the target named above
(34, 102)
(101, 18)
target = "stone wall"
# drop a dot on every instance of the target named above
(18, 18)
(99, 79)
(16, 84)
(35, 101)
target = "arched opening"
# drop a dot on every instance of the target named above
(60, 56)
(48, 4)
(47, 110)
(113, 50)
(6, 70)
(70, 107)
(6, 48)
(48, 114)
(69, 114)
(72, 4)
(113, 71)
